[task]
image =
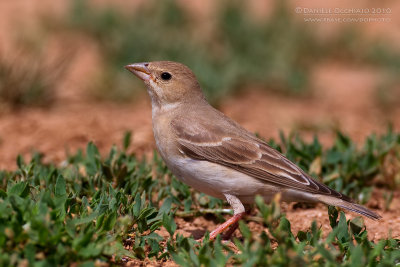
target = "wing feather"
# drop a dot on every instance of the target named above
(247, 154)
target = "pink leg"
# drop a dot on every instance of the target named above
(232, 221)
(227, 235)
(233, 227)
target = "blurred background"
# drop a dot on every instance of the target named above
(308, 67)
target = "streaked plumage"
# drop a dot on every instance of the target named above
(214, 154)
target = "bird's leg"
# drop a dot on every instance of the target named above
(234, 226)
(227, 235)
(232, 221)
(238, 213)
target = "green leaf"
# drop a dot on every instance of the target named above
(20, 161)
(343, 232)
(333, 216)
(127, 140)
(284, 225)
(137, 205)
(244, 229)
(29, 252)
(20, 189)
(86, 219)
(140, 253)
(110, 221)
(60, 189)
(357, 225)
(91, 250)
(169, 224)
(70, 228)
(357, 257)
(3, 194)
(93, 159)
(302, 236)
(166, 206)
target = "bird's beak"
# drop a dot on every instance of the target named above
(140, 69)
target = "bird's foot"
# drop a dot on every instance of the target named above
(232, 222)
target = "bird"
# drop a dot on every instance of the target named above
(215, 155)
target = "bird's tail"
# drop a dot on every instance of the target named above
(348, 205)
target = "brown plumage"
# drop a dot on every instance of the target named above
(214, 154)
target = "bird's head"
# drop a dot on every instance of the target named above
(167, 82)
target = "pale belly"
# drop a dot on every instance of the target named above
(215, 180)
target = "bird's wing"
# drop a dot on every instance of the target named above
(232, 146)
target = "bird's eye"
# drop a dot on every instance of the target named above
(166, 76)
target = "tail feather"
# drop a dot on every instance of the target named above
(349, 206)
(360, 210)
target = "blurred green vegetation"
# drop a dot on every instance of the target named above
(92, 209)
(276, 53)
(234, 51)
(30, 79)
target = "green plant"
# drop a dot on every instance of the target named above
(347, 244)
(276, 53)
(29, 79)
(95, 208)
(236, 53)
